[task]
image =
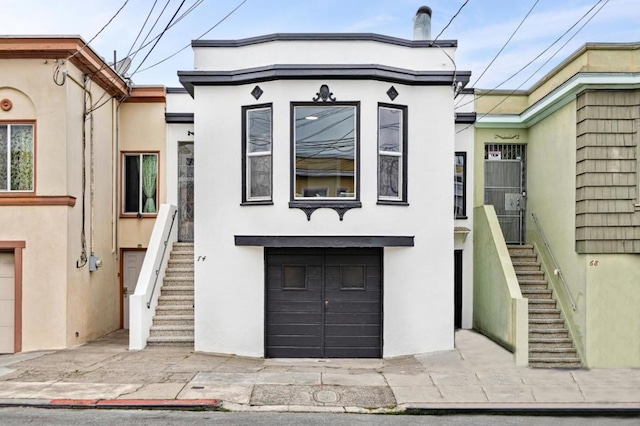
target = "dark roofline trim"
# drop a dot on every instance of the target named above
(320, 72)
(465, 117)
(468, 91)
(176, 90)
(324, 241)
(179, 117)
(324, 37)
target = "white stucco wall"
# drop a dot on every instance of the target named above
(229, 282)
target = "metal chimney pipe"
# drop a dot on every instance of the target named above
(422, 24)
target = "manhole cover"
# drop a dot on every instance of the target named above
(325, 396)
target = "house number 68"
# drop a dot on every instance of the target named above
(594, 263)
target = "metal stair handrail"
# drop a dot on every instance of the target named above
(556, 269)
(164, 251)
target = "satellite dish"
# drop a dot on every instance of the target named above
(122, 66)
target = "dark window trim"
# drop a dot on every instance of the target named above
(464, 185)
(465, 117)
(324, 241)
(245, 199)
(402, 201)
(308, 206)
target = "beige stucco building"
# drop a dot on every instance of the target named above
(67, 121)
(576, 137)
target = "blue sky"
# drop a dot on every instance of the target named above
(481, 28)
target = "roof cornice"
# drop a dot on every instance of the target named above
(560, 97)
(189, 79)
(62, 47)
(324, 37)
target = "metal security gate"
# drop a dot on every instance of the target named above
(185, 191)
(504, 187)
(324, 303)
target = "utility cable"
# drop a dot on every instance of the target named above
(451, 20)
(101, 30)
(142, 44)
(506, 43)
(547, 61)
(142, 28)
(198, 38)
(537, 57)
(160, 37)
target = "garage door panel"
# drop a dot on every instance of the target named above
(331, 318)
(295, 329)
(354, 307)
(294, 352)
(312, 307)
(351, 341)
(293, 340)
(298, 321)
(353, 352)
(352, 330)
(351, 296)
(293, 318)
(7, 313)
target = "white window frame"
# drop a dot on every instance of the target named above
(399, 154)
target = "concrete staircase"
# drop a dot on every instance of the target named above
(550, 345)
(173, 322)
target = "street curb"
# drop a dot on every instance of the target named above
(122, 404)
(532, 410)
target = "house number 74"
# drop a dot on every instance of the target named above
(594, 263)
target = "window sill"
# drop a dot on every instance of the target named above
(461, 217)
(30, 199)
(257, 203)
(392, 203)
(134, 216)
(340, 207)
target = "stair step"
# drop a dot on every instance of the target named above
(177, 290)
(186, 280)
(550, 344)
(182, 246)
(181, 255)
(170, 341)
(179, 272)
(539, 323)
(544, 313)
(173, 320)
(555, 362)
(536, 293)
(533, 285)
(548, 333)
(172, 330)
(520, 249)
(525, 266)
(174, 310)
(175, 300)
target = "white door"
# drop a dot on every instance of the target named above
(131, 265)
(7, 303)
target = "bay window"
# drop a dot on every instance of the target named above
(325, 152)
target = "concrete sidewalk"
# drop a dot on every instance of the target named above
(477, 375)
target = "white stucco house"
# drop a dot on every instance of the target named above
(322, 203)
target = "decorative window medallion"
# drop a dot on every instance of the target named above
(257, 92)
(324, 94)
(392, 93)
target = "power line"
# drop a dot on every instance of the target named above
(547, 61)
(198, 38)
(451, 20)
(507, 42)
(159, 37)
(142, 43)
(142, 28)
(538, 56)
(101, 30)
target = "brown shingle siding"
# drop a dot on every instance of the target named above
(607, 150)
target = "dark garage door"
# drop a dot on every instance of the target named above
(324, 303)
